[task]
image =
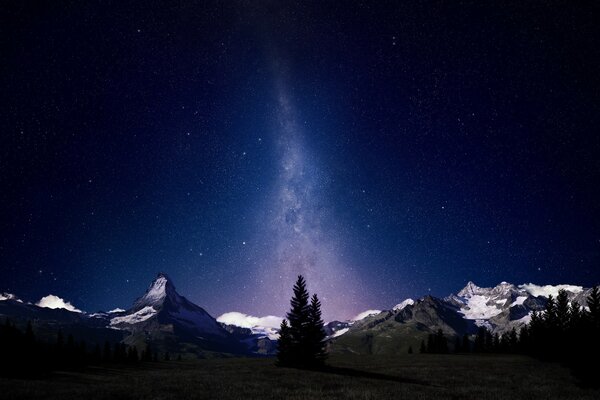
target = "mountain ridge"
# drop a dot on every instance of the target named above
(170, 322)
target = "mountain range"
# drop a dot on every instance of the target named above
(171, 323)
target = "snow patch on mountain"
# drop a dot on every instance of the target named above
(267, 326)
(139, 316)
(407, 302)
(340, 332)
(547, 290)
(477, 308)
(116, 310)
(9, 296)
(52, 301)
(365, 314)
(519, 301)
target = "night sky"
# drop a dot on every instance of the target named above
(383, 149)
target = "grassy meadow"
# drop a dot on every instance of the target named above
(411, 376)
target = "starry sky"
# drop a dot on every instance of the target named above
(382, 149)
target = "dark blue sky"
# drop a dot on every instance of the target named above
(384, 149)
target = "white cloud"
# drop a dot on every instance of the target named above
(116, 310)
(365, 314)
(265, 326)
(536, 290)
(52, 301)
(249, 321)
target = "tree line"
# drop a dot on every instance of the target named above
(25, 355)
(564, 331)
(302, 341)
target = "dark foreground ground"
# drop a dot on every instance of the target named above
(407, 377)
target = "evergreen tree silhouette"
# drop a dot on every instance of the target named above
(441, 343)
(489, 341)
(29, 336)
(60, 341)
(316, 334)
(575, 315)
(513, 341)
(298, 318)
(550, 317)
(593, 303)
(496, 343)
(524, 341)
(302, 342)
(466, 344)
(480, 340)
(147, 353)
(106, 354)
(422, 348)
(97, 355)
(410, 350)
(562, 310)
(284, 345)
(430, 343)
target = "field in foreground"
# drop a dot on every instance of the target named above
(351, 377)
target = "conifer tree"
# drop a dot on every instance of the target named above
(430, 343)
(524, 342)
(480, 340)
(513, 340)
(410, 350)
(316, 333)
(106, 355)
(29, 336)
(575, 315)
(302, 341)
(298, 318)
(593, 303)
(562, 310)
(549, 317)
(284, 345)
(422, 348)
(466, 344)
(97, 355)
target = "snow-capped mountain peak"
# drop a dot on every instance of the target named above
(163, 305)
(403, 304)
(160, 289)
(471, 289)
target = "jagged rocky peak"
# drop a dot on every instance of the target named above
(471, 289)
(160, 289)
(505, 289)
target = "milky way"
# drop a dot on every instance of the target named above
(300, 226)
(381, 150)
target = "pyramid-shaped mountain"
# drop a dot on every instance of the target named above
(170, 322)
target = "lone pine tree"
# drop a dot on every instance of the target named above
(302, 342)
